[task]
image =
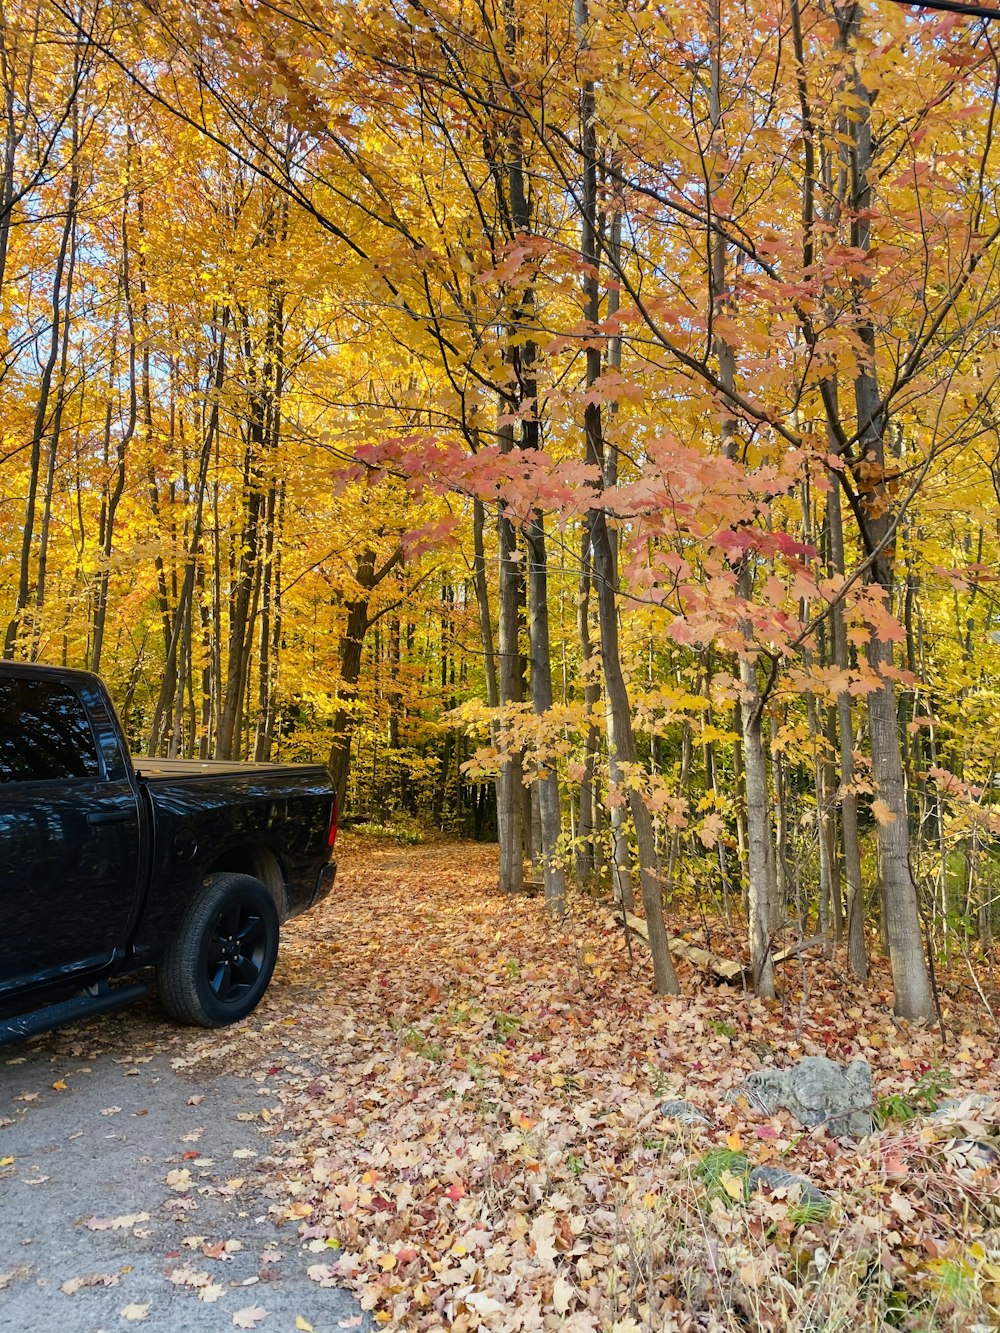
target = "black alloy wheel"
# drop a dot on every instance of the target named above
(237, 950)
(219, 964)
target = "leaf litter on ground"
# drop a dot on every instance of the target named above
(461, 1119)
(468, 1131)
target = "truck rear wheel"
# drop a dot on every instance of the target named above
(220, 962)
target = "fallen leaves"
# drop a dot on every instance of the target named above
(125, 1222)
(135, 1312)
(15, 1275)
(74, 1284)
(465, 1124)
(470, 1116)
(184, 1276)
(249, 1317)
(542, 1235)
(223, 1249)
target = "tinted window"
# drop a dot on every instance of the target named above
(44, 733)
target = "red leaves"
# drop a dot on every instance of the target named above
(461, 1177)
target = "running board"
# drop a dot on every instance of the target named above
(69, 1011)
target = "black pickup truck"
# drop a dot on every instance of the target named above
(110, 865)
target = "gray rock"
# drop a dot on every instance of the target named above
(684, 1112)
(800, 1190)
(816, 1091)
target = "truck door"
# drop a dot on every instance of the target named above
(69, 838)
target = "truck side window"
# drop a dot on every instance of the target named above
(44, 733)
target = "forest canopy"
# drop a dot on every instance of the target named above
(575, 421)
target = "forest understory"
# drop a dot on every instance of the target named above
(476, 1136)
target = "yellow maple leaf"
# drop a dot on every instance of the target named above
(732, 1185)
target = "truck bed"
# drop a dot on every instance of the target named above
(172, 769)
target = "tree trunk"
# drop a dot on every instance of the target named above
(585, 854)
(857, 952)
(762, 889)
(114, 484)
(359, 621)
(625, 753)
(172, 680)
(547, 781)
(911, 978)
(510, 806)
(16, 624)
(522, 355)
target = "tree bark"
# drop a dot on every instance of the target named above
(172, 681)
(359, 620)
(857, 952)
(603, 554)
(15, 627)
(762, 888)
(510, 806)
(585, 854)
(911, 979)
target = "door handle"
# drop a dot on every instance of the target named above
(109, 816)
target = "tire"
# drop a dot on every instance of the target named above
(220, 962)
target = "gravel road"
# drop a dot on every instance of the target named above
(128, 1192)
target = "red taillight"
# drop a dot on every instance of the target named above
(331, 836)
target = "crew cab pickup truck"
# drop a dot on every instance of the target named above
(109, 865)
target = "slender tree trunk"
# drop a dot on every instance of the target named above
(245, 592)
(16, 626)
(146, 399)
(547, 781)
(498, 687)
(585, 856)
(603, 554)
(857, 952)
(911, 978)
(626, 753)
(359, 620)
(270, 626)
(13, 135)
(172, 680)
(62, 393)
(114, 485)
(522, 356)
(482, 592)
(510, 807)
(762, 888)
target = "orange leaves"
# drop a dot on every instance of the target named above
(882, 812)
(487, 1118)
